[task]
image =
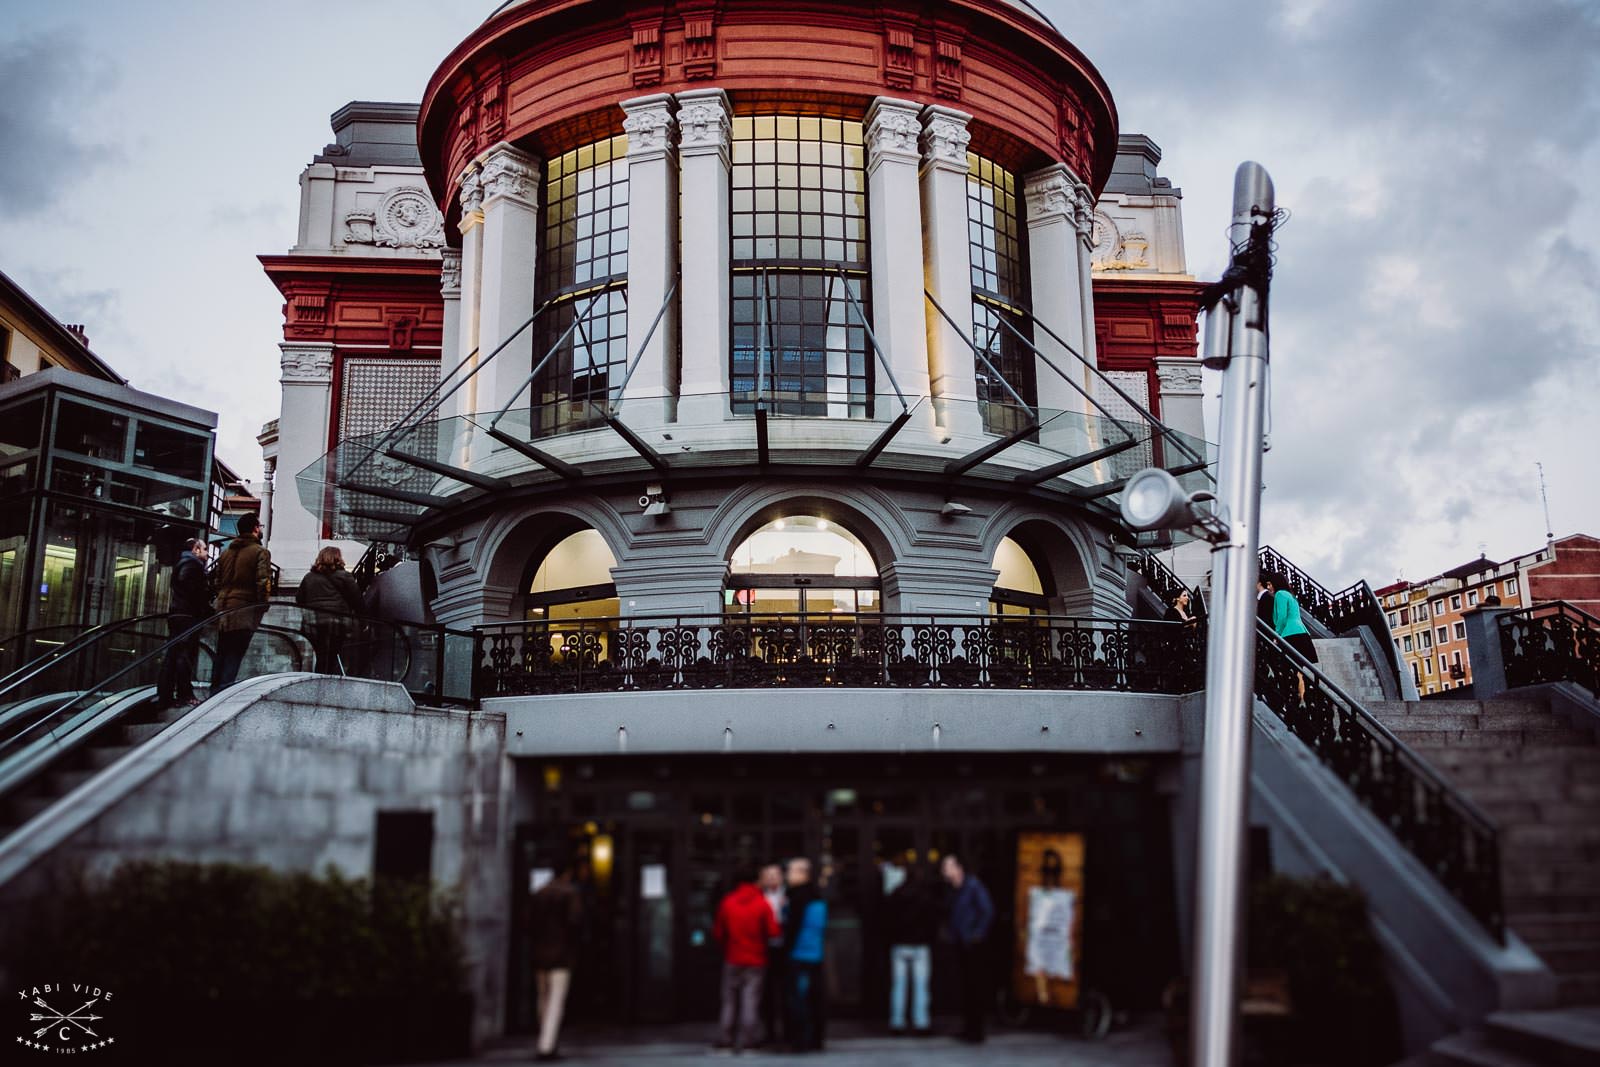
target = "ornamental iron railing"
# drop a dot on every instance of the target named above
(1552, 642)
(1455, 841)
(795, 651)
(1355, 605)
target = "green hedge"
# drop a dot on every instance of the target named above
(1318, 932)
(292, 960)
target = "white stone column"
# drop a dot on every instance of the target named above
(894, 213)
(704, 132)
(510, 181)
(1182, 407)
(1085, 217)
(947, 270)
(1057, 295)
(316, 207)
(307, 380)
(450, 351)
(652, 259)
(465, 400)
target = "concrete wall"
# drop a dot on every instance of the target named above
(289, 771)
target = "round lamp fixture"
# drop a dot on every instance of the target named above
(1153, 500)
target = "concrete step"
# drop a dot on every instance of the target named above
(1568, 902)
(1561, 737)
(1545, 855)
(1457, 721)
(1579, 989)
(1551, 878)
(1546, 836)
(1572, 957)
(140, 732)
(1545, 929)
(102, 756)
(1567, 1037)
(64, 782)
(1473, 1049)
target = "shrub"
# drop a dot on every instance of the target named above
(260, 963)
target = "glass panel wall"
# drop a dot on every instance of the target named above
(583, 269)
(1000, 300)
(802, 564)
(799, 258)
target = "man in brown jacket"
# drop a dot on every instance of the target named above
(244, 578)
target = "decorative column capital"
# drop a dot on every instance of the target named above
(704, 123)
(945, 138)
(1085, 214)
(306, 364)
(648, 125)
(893, 127)
(1178, 375)
(509, 173)
(1051, 195)
(471, 187)
(450, 274)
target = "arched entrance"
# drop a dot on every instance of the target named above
(802, 564)
(1019, 588)
(571, 580)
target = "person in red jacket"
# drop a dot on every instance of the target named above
(745, 924)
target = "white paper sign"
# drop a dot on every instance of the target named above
(1050, 932)
(652, 881)
(539, 877)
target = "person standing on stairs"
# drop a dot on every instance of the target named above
(191, 602)
(244, 580)
(1287, 625)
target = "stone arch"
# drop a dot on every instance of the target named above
(1072, 567)
(510, 540)
(868, 515)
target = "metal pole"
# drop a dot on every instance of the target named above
(1231, 651)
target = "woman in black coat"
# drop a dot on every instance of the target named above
(333, 603)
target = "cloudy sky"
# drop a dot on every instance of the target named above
(1436, 312)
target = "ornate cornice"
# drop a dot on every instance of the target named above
(1178, 375)
(704, 127)
(450, 274)
(509, 173)
(945, 138)
(648, 125)
(893, 127)
(307, 364)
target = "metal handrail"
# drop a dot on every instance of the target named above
(1567, 648)
(633, 364)
(1365, 608)
(1483, 901)
(984, 359)
(577, 321)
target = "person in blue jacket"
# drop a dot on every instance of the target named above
(805, 928)
(971, 917)
(1287, 625)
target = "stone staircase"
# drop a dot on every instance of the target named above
(1539, 780)
(1345, 662)
(1566, 1038)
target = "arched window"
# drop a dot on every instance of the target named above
(800, 267)
(583, 275)
(802, 564)
(1018, 589)
(573, 581)
(1000, 296)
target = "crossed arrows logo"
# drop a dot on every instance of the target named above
(77, 1018)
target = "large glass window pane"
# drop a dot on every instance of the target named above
(583, 272)
(92, 432)
(798, 342)
(170, 451)
(1000, 297)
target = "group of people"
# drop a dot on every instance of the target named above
(773, 931)
(238, 590)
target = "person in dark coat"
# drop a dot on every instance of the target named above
(191, 602)
(1178, 610)
(912, 916)
(555, 922)
(1264, 589)
(244, 581)
(971, 917)
(805, 928)
(333, 604)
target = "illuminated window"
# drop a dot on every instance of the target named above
(1018, 589)
(583, 275)
(573, 581)
(1000, 300)
(800, 292)
(802, 564)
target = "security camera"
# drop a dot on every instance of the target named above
(644, 501)
(951, 509)
(654, 501)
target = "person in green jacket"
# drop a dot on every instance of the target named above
(1287, 625)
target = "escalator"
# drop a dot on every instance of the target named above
(80, 708)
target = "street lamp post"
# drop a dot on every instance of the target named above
(1236, 344)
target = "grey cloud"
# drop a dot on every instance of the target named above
(1411, 340)
(47, 83)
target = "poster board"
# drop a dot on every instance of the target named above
(1049, 924)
